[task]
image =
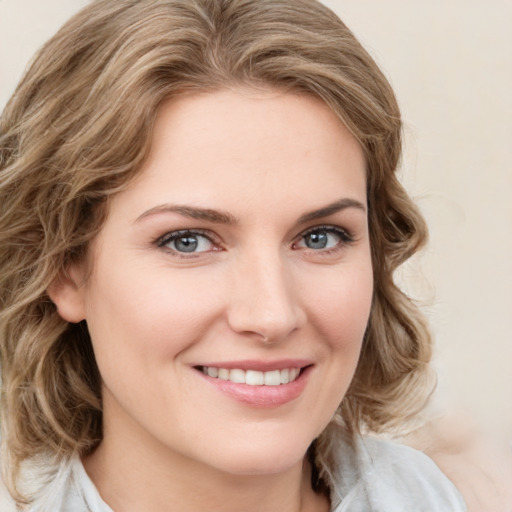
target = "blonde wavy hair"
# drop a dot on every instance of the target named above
(77, 130)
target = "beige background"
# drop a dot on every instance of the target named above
(450, 64)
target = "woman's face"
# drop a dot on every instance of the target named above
(237, 261)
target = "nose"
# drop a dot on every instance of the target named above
(264, 301)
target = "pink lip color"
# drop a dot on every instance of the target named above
(261, 396)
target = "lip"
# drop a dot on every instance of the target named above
(260, 396)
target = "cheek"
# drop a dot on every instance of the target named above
(339, 312)
(147, 319)
(340, 308)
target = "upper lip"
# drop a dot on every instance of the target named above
(258, 365)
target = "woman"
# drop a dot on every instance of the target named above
(200, 222)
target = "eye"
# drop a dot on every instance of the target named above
(324, 238)
(187, 242)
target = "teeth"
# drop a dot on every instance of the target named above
(223, 374)
(253, 377)
(272, 378)
(237, 376)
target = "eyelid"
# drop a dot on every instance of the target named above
(345, 240)
(344, 233)
(163, 240)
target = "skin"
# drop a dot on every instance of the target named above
(256, 288)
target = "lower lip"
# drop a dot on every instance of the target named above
(261, 396)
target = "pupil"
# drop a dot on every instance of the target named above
(186, 244)
(316, 240)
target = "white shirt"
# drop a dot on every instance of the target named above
(371, 476)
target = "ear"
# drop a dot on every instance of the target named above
(67, 292)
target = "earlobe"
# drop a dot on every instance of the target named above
(67, 293)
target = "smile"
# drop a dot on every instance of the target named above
(253, 377)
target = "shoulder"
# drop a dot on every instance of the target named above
(49, 484)
(382, 454)
(6, 502)
(405, 466)
(387, 476)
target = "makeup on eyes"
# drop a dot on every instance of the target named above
(194, 242)
(317, 234)
(187, 240)
(185, 231)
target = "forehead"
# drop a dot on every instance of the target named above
(258, 118)
(240, 147)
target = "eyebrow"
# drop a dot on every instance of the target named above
(216, 216)
(331, 209)
(222, 217)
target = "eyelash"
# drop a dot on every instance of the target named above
(175, 235)
(346, 238)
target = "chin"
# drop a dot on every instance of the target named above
(263, 458)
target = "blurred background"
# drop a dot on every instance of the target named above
(450, 64)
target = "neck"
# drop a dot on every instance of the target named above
(149, 477)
